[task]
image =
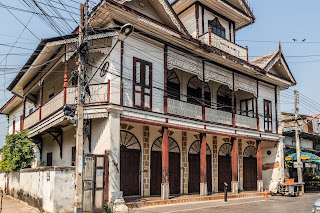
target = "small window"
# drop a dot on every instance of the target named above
(49, 159)
(267, 116)
(247, 107)
(142, 84)
(217, 28)
(73, 156)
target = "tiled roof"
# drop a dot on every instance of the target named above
(263, 61)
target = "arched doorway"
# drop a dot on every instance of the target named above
(250, 168)
(194, 168)
(130, 150)
(224, 98)
(224, 166)
(156, 167)
(194, 91)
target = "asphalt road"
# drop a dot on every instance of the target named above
(272, 204)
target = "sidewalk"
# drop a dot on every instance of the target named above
(10, 205)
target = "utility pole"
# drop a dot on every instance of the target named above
(299, 169)
(82, 66)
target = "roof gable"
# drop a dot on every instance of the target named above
(274, 64)
(158, 10)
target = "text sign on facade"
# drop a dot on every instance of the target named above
(297, 165)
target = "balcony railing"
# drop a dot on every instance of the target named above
(212, 39)
(99, 93)
(245, 121)
(184, 109)
(188, 110)
(32, 119)
(218, 116)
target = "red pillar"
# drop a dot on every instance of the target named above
(259, 160)
(41, 99)
(165, 164)
(203, 159)
(65, 79)
(234, 159)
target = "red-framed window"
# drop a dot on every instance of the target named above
(217, 28)
(142, 84)
(267, 115)
(13, 126)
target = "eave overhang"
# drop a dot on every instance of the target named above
(242, 18)
(10, 105)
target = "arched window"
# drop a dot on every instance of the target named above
(217, 28)
(194, 91)
(173, 85)
(224, 98)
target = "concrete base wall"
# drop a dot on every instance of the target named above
(50, 189)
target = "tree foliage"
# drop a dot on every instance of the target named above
(17, 153)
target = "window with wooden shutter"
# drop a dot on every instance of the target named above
(49, 159)
(142, 84)
(21, 123)
(267, 116)
(73, 156)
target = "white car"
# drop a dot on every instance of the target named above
(316, 206)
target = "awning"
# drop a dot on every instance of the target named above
(304, 156)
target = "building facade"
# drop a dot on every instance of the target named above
(177, 107)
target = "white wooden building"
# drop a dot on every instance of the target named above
(179, 78)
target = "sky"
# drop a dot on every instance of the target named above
(276, 21)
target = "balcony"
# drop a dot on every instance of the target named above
(193, 111)
(99, 95)
(212, 39)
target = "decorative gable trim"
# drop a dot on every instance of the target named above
(168, 9)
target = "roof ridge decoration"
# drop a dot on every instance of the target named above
(168, 9)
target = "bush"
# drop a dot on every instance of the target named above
(17, 152)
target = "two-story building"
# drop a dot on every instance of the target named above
(177, 106)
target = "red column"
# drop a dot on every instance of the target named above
(234, 159)
(41, 99)
(203, 159)
(165, 155)
(165, 190)
(65, 79)
(259, 160)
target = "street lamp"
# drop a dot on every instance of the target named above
(124, 32)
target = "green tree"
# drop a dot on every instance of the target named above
(17, 152)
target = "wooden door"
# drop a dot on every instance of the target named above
(174, 173)
(224, 172)
(249, 173)
(209, 173)
(129, 171)
(156, 176)
(194, 173)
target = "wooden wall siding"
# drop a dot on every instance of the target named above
(240, 164)
(268, 93)
(185, 162)
(150, 52)
(215, 163)
(146, 161)
(189, 20)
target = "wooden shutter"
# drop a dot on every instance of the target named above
(267, 116)
(142, 84)
(73, 156)
(49, 159)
